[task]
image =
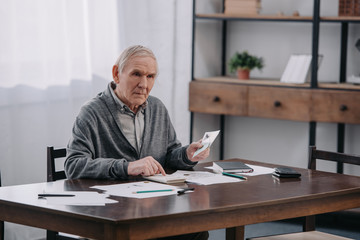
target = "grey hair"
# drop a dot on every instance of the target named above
(134, 51)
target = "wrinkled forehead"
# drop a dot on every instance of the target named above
(142, 63)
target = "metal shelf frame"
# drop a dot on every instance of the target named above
(315, 20)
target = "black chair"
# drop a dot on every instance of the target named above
(52, 156)
(53, 174)
(2, 227)
(339, 159)
(309, 222)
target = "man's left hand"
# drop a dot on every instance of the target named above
(192, 149)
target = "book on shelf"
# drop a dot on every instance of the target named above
(242, 1)
(231, 167)
(240, 4)
(242, 7)
(353, 79)
(298, 69)
(242, 11)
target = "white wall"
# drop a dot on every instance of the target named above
(268, 140)
(33, 118)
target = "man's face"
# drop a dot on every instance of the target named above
(136, 80)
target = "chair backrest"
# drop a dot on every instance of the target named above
(52, 175)
(52, 156)
(341, 158)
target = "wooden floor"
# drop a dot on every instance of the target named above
(342, 225)
(345, 226)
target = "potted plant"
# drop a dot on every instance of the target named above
(243, 63)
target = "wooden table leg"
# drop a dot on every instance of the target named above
(235, 233)
(309, 223)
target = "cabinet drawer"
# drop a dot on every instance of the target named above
(218, 98)
(336, 106)
(279, 103)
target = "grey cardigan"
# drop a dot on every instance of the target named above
(98, 148)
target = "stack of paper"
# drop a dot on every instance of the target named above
(143, 189)
(204, 178)
(168, 179)
(242, 7)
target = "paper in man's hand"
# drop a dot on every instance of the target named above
(207, 140)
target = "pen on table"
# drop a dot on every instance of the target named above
(185, 190)
(55, 195)
(234, 175)
(152, 191)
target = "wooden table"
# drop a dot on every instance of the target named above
(259, 199)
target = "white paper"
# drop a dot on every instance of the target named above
(81, 198)
(287, 74)
(168, 178)
(207, 140)
(303, 69)
(198, 177)
(205, 178)
(130, 189)
(259, 170)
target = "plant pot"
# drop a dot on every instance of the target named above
(243, 74)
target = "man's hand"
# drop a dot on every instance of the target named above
(192, 149)
(146, 166)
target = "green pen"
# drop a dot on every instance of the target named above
(151, 191)
(234, 175)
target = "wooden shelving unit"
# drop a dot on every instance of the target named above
(264, 82)
(276, 82)
(318, 102)
(222, 16)
(340, 19)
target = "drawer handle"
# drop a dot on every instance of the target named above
(277, 104)
(216, 99)
(343, 107)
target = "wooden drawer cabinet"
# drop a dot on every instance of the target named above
(288, 103)
(279, 103)
(218, 98)
(336, 106)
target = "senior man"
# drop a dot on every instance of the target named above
(125, 132)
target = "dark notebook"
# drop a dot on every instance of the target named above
(232, 167)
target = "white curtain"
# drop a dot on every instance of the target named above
(57, 54)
